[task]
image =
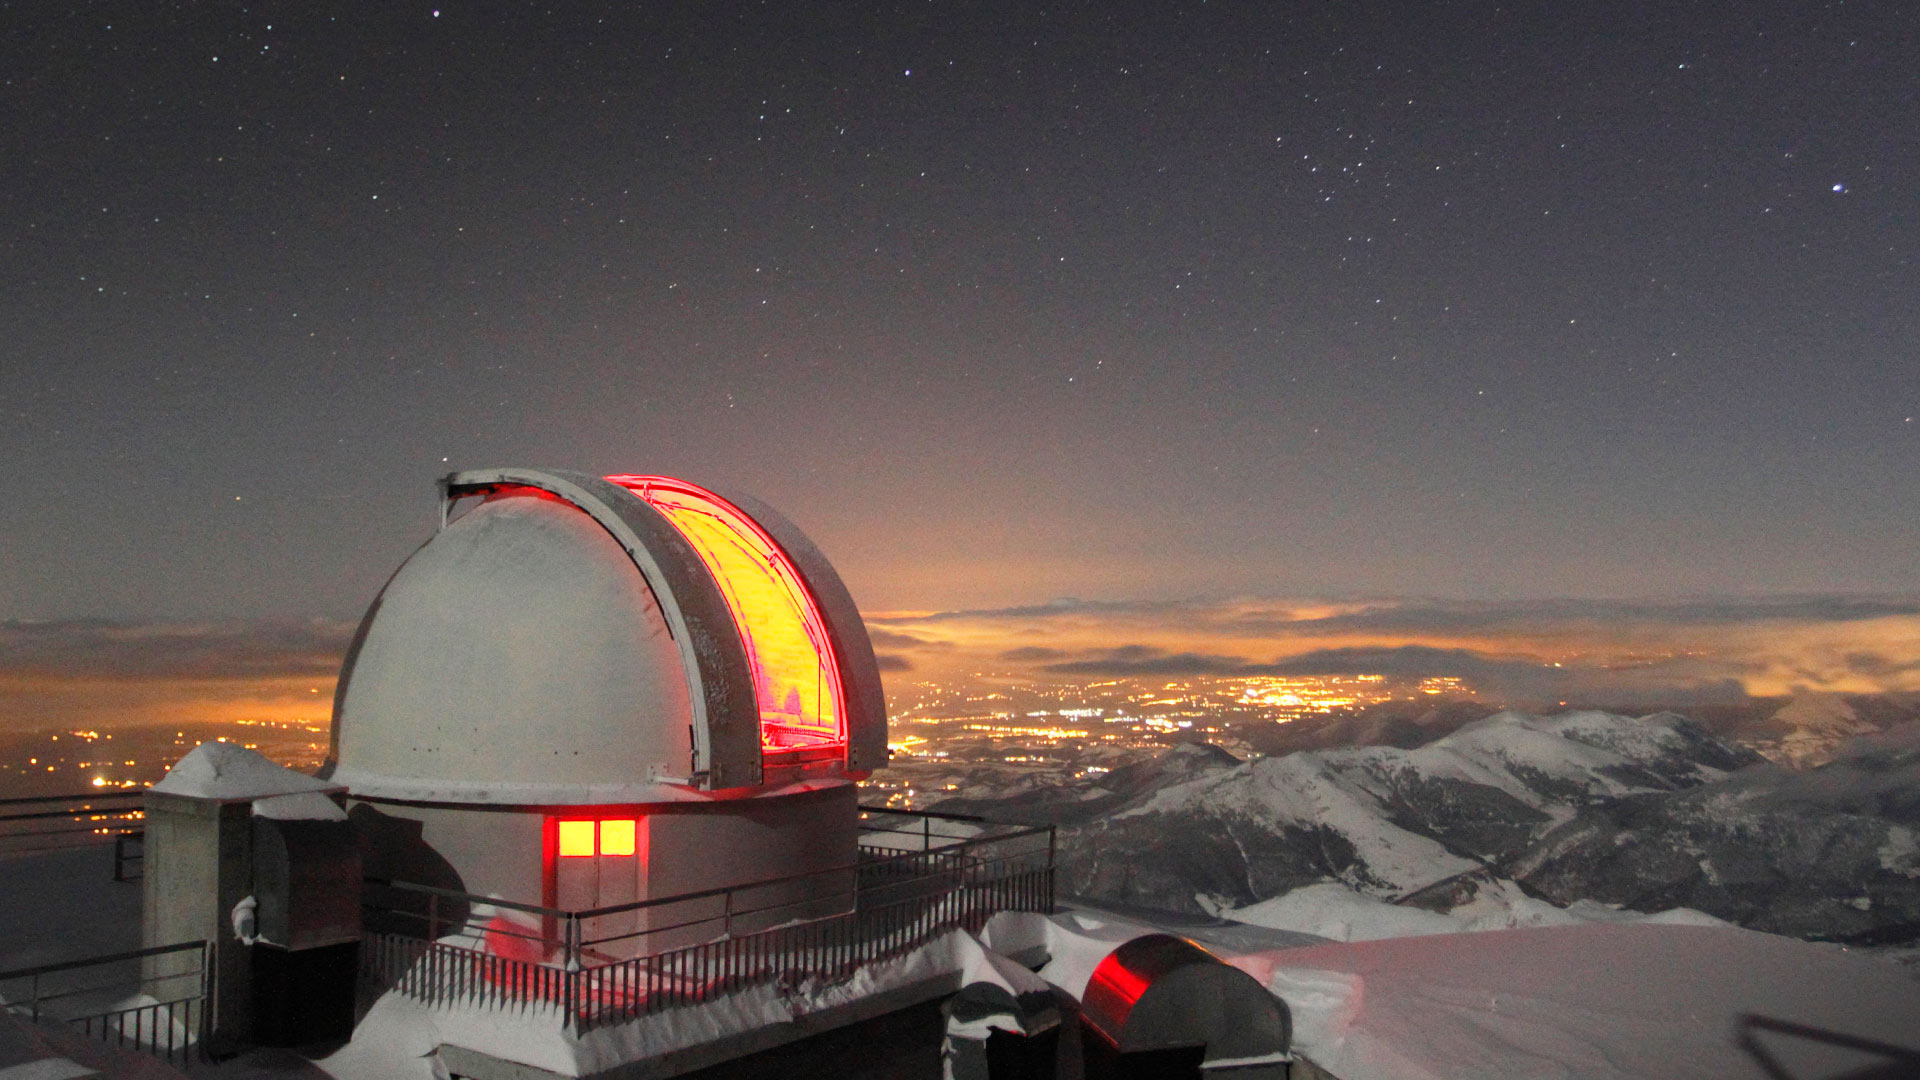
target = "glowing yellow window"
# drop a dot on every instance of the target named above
(796, 680)
(576, 839)
(616, 837)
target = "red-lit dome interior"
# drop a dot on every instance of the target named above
(796, 680)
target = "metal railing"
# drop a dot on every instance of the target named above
(888, 830)
(53, 822)
(1898, 1060)
(90, 995)
(130, 849)
(612, 964)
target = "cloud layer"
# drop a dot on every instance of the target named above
(89, 672)
(1676, 651)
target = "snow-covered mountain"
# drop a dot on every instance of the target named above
(1648, 813)
(1802, 730)
(1828, 852)
(1811, 728)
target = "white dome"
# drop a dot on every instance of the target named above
(574, 640)
(516, 657)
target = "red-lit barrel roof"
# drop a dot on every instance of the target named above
(795, 675)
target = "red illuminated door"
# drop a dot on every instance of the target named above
(601, 862)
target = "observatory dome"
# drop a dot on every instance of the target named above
(576, 640)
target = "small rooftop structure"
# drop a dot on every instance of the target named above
(1166, 1000)
(228, 772)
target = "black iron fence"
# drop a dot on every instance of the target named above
(130, 855)
(883, 829)
(49, 822)
(613, 964)
(118, 999)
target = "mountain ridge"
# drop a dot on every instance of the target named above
(1647, 812)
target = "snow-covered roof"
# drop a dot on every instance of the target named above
(1600, 1002)
(305, 806)
(1607, 999)
(229, 772)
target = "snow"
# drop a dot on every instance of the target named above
(980, 964)
(1900, 853)
(1549, 764)
(1813, 715)
(1075, 941)
(50, 1068)
(1574, 747)
(231, 772)
(1332, 910)
(31, 1051)
(394, 1040)
(956, 952)
(1300, 790)
(1645, 738)
(912, 838)
(1600, 995)
(1599, 1002)
(245, 918)
(303, 806)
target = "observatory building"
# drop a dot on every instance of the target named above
(594, 756)
(585, 691)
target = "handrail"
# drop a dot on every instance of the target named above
(637, 905)
(926, 813)
(111, 958)
(619, 909)
(1748, 1023)
(85, 811)
(84, 830)
(573, 943)
(85, 796)
(456, 894)
(32, 825)
(851, 893)
(140, 1023)
(894, 912)
(886, 891)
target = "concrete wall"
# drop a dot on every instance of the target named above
(520, 642)
(485, 852)
(197, 866)
(689, 847)
(748, 840)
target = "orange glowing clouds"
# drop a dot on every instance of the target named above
(1668, 651)
(795, 679)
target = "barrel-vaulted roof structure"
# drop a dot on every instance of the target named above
(573, 639)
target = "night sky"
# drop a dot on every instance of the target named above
(999, 302)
